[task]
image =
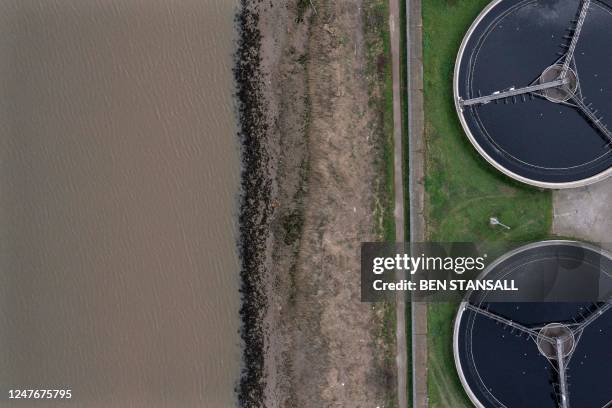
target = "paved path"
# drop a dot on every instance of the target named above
(416, 144)
(584, 213)
(402, 346)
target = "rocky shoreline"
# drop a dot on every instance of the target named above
(255, 207)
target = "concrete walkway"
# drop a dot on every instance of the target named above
(585, 213)
(416, 144)
(398, 161)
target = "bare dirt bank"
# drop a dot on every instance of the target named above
(321, 79)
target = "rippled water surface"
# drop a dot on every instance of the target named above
(118, 182)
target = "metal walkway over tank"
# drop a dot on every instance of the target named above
(592, 317)
(513, 92)
(507, 322)
(592, 117)
(584, 7)
(564, 397)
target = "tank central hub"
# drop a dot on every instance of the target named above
(563, 92)
(553, 334)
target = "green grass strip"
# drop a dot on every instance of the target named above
(463, 190)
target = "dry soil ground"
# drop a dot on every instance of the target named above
(325, 348)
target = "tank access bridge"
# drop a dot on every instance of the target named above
(482, 100)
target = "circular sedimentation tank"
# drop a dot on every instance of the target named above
(533, 89)
(539, 353)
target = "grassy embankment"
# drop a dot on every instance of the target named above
(463, 191)
(378, 71)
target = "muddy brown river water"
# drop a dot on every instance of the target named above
(119, 170)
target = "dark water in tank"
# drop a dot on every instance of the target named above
(531, 136)
(504, 367)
